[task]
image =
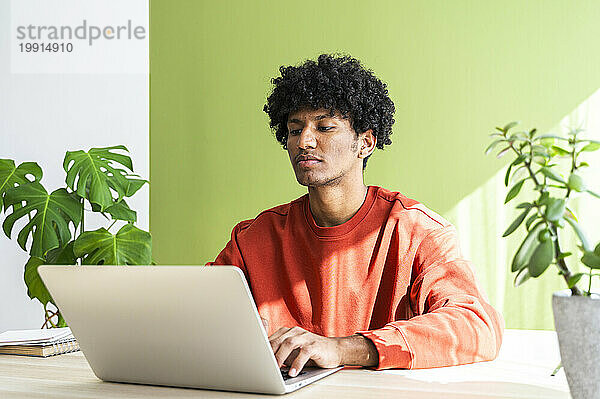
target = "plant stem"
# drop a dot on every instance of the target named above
(82, 215)
(573, 163)
(82, 224)
(45, 316)
(111, 225)
(562, 265)
(49, 317)
(561, 262)
(556, 369)
(527, 162)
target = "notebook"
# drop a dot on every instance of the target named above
(41, 343)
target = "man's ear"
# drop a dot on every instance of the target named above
(368, 141)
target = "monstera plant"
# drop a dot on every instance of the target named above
(100, 178)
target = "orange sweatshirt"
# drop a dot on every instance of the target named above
(393, 273)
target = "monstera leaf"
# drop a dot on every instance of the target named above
(9, 175)
(51, 221)
(94, 170)
(119, 211)
(130, 246)
(61, 256)
(35, 285)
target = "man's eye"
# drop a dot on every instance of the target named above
(295, 132)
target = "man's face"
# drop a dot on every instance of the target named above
(323, 149)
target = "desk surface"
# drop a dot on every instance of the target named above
(522, 370)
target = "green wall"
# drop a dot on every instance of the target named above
(455, 69)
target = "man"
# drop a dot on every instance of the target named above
(349, 274)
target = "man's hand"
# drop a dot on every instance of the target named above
(297, 348)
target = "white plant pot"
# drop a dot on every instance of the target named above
(577, 323)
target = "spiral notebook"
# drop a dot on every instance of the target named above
(42, 343)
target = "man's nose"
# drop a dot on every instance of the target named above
(307, 138)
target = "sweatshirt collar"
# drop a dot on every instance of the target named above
(346, 227)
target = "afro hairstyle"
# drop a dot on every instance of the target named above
(335, 82)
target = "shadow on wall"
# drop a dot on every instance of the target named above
(482, 217)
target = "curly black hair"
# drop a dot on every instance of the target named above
(334, 82)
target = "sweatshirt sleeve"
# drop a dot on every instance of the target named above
(232, 254)
(453, 323)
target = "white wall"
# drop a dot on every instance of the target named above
(43, 115)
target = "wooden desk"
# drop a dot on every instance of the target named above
(522, 370)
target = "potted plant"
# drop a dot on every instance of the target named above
(55, 221)
(538, 161)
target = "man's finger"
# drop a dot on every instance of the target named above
(303, 356)
(290, 359)
(288, 362)
(265, 324)
(278, 333)
(274, 338)
(286, 347)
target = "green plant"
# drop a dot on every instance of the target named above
(55, 221)
(538, 157)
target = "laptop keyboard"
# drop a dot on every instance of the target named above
(284, 374)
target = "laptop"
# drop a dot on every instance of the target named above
(184, 326)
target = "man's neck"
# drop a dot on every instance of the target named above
(334, 205)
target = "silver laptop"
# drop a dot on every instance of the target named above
(185, 326)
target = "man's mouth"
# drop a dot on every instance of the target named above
(307, 160)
